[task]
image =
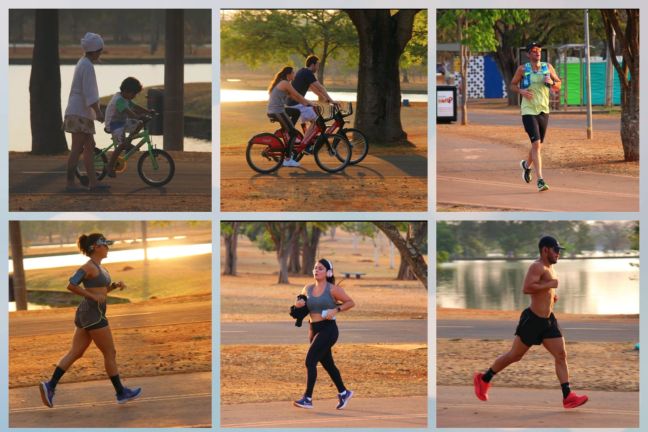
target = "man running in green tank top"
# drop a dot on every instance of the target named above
(533, 81)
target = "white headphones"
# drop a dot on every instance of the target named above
(329, 272)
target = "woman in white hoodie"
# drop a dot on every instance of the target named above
(81, 112)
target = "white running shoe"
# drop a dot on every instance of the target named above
(290, 163)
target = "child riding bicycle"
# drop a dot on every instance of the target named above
(124, 116)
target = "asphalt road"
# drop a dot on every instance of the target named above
(398, 412)
(582, 331)
(120, 316)
(385, 331)
(485, 174)
(183, 400)
(32, 175)
(509, 407)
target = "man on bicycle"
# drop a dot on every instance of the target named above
(305, 80)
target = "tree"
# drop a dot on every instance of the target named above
(20, 290)
(173, 117)
(415, 53)
(622, 27)
(230, 231)
(408, 250)
(283, 235)
(383, 35)
(45, 87)
(416, 233)
(256, 36)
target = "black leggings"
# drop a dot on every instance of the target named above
(287, 126)
(324, 335)
(536, 126)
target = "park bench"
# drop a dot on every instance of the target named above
(357, 275)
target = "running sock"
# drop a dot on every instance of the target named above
(56, 376)
(119, 388)
(565, 389)
(488, 376)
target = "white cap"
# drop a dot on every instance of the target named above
(92, 42)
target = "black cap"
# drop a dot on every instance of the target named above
(550, 242)
(533, 45)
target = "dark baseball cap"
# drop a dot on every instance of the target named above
(550, 242)
(533, 45)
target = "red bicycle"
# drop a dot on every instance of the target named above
(357, 139)
(266, 151)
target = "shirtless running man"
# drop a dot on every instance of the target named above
(537, 325)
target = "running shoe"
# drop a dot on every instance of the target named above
(573, 400)
(129, 395)
(481, 387)
(526, 171)
(542, 186)
(47, 394)
(290, 163)
(344, 400)
(304, 402)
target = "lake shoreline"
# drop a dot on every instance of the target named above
(491, 314)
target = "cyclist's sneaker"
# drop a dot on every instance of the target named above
(542, 186)
(481, 387)
(304, 402)
(573, 400)
(526, 171)
(344, 400)
(128, 395)
(290, 163)
(47, 394)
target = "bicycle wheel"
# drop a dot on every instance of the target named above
(156, 167)
(359, 144)
(332, 152)
(264, 153)
(100, 167)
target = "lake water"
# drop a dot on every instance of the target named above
(233, 95)
(109, 78)
(596, 286)
(156, 252)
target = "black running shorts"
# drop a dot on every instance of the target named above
(533, 329)
(536, 126)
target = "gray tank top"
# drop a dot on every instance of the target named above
(102, 280)
(322, 302)
(277, 101)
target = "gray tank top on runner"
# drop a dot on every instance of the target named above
(102, 280)
(322, 302)
(277, 101)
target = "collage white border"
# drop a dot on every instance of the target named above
(216, 215)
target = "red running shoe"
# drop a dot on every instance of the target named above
(573, 400)
(481, 387)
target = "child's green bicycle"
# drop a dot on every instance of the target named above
(155, 166)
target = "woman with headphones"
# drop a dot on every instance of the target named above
(90, 320)
(325, 301)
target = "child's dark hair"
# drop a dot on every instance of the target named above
(131, 85)
(85, 243)
(311, 60)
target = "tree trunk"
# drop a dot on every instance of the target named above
(294, 262)
(283, 236)
(20, 290)
(309, 249)
(382, 38)
(465, 58)
(45, 87)
(231, 244)
(408, 250)
(155, 31)
(173, 118)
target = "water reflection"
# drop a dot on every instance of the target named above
(158, 252)
(231, 95)
(109, 78)
(600, 286)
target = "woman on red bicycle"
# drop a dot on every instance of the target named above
(279, 90)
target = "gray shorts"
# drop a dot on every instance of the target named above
(90, 315)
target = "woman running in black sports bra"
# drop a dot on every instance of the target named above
(90, 319)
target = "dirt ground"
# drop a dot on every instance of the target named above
(373, 370)
(609, 366)
(146, 351)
